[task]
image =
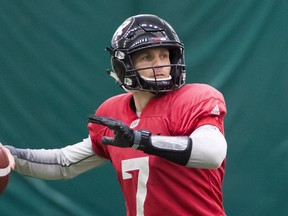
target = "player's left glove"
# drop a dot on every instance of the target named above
(123, 135)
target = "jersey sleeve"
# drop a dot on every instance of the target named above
(200, 105)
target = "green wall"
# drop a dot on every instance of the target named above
(53, 63)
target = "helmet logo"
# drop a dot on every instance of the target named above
(121, 29)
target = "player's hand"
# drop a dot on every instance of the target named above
(123, 135)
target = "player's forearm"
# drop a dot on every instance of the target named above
(43, 164)
(56, 164)
(172, 148)
(205, 148)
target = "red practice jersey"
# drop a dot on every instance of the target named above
(152, 185)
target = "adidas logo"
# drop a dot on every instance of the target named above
(215, 110)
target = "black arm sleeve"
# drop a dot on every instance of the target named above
(174, 149)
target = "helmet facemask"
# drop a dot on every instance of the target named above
(153, 85)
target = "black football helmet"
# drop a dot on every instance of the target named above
(141, 32)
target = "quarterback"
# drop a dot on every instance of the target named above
(165, 138)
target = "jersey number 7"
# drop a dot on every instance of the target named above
(142, 165)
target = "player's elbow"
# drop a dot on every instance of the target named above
(215, 159)
(217, 154)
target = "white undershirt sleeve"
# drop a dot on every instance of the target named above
(209, 148)
(56, 164)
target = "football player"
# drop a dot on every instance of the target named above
(164, 138)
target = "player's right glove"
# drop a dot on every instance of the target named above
(123, 135)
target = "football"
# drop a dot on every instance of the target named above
(4, 170)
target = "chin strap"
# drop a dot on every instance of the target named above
(156, 79)
(114, 75)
